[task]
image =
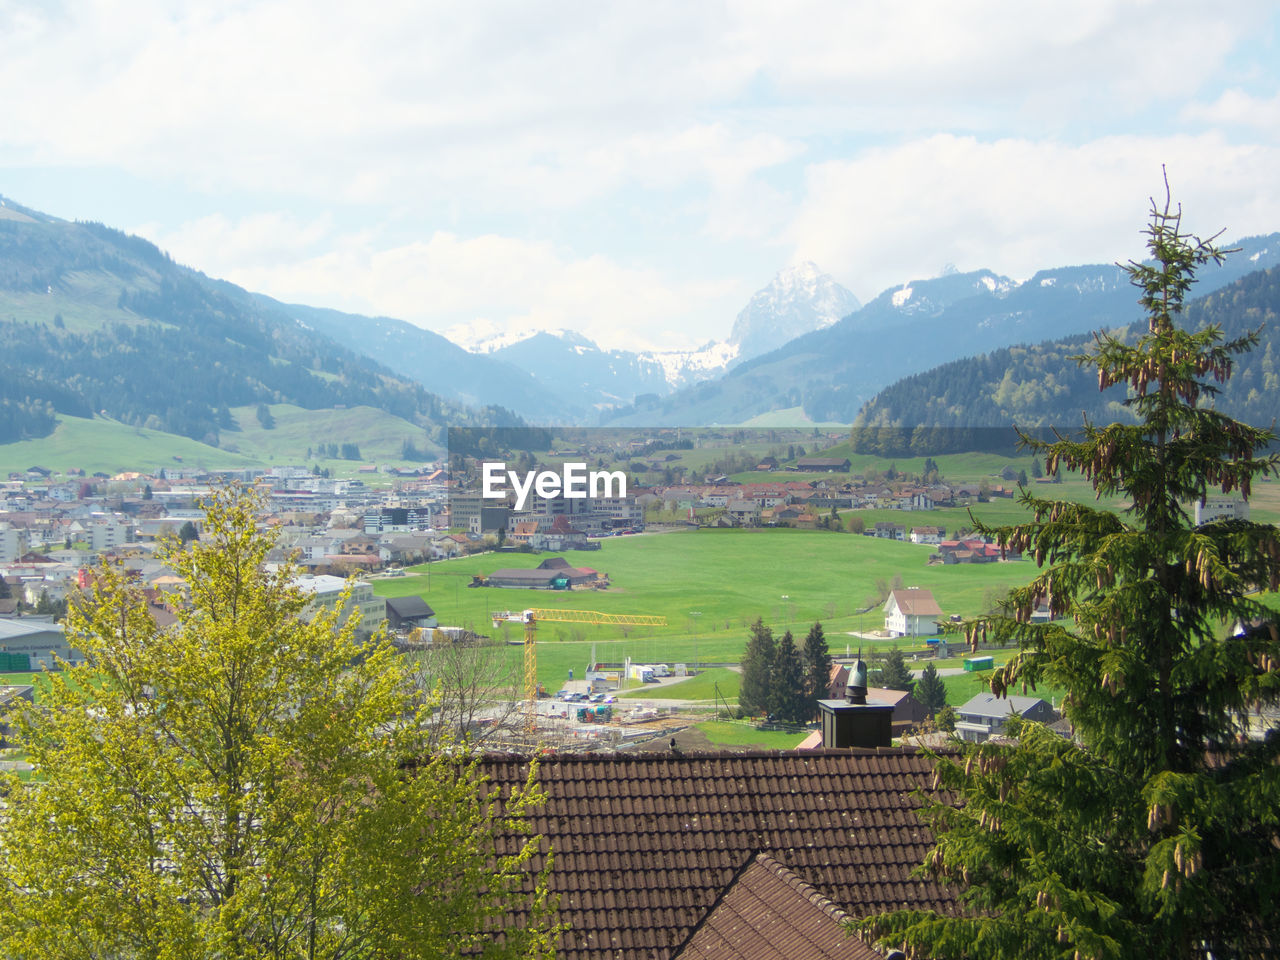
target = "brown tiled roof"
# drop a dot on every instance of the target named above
(646, 844)
(916, 602)
(768, 913)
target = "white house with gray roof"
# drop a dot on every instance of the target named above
(986, 715)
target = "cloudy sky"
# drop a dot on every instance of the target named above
(633, 171)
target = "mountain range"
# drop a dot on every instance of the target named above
(96, 322)
(831, 373)
(972, 403)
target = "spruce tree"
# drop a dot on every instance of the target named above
(817, 668)
(787, 701)
(754, 697)
(1160, 834)
(930, 690)
(894, 674)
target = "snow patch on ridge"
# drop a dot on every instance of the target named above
(683, 366)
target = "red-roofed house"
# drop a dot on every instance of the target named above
(911, 613)
(667, 856)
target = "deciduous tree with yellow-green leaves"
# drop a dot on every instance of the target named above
(237, 785)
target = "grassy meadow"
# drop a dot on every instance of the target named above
(108, 445)
(710, 585)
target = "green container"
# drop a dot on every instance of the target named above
(974, 664)
(14, 662)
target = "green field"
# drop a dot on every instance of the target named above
(746, 735)
(378, 434)
(711, 582)
(710, 585)
(106, 445)
(790, 417)
(109, 446)
(712, 684)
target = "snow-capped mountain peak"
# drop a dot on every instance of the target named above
(799, 299)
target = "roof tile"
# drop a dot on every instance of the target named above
(647, 846)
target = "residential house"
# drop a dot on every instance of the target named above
(912, 612)
(831, 464)
(931, 535)
(404, 547)
(522, 531)
(974, 550)
(672, 855)
(743, 513)
(561, 535)
(409, 613)
(986, 715)
(888, 530)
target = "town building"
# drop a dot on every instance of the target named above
(912, 612)
(324, 592)
(36, 641)
(1221, 508)
(668, 855)
(985, 715)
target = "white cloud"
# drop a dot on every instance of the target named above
(654, 149)
(488, 283)
(217, 245)
(1236, 108)
(1016, 206)
(558, 103)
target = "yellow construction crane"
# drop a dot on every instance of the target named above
(531, 617)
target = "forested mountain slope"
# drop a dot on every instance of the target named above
(93, 320)
(912, 328)
(1040, 386)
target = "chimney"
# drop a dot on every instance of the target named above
(856, 721)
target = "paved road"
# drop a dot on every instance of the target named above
(944, 672)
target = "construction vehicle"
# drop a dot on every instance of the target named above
(532, 617)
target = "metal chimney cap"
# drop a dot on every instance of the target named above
(856, 691)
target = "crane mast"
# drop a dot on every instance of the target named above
(530, 618)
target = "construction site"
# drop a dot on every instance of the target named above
(585, 715)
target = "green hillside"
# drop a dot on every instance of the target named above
(1041, 385)
(94, 322)
(103, 444)
(379, 435)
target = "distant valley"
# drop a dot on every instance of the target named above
(99, 325)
